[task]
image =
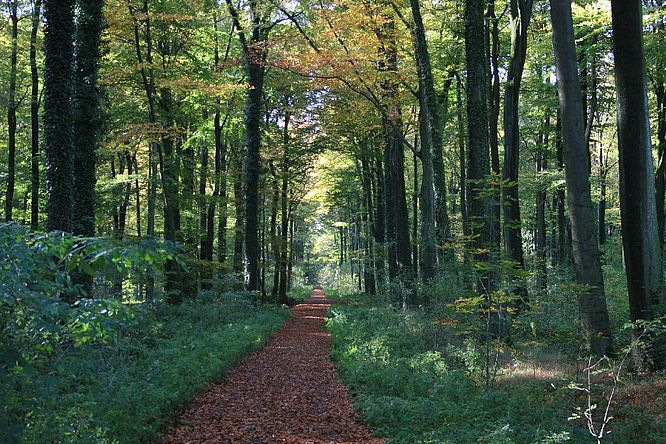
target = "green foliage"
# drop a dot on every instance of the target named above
(85, 369)
(413, 393)
(125, 389)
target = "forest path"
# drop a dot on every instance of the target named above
(287, 392)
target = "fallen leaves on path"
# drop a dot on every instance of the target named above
(287, 392)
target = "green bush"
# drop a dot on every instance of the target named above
(406, 390)
(125, 390)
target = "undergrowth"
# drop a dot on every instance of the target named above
(125, 391)
(415, 387)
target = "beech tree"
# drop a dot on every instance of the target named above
(637, 199)
(585, 248)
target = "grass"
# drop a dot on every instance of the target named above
(414, 387)
(127, 391)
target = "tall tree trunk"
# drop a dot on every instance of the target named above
(204, 253)
(87, 113)
(380, 223)
(284, 213)
(11, 113)
(494, 119)
(137, 191)
(540, 238)
(431, 141)
(34, 116)
(290, 260)
(478, 145)
(58, 142)
(275, 245)
(603, 173)
(521, 13)
(461, 156)
(660, 181)
(559, 197)
(254, 54)
(370, 277)
(170, 174)
(587, 264)
(637, 199)
(415, 210)
(239, 240)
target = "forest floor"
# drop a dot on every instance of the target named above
(287, 392)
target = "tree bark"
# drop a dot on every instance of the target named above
(521, 13)
(587, 264)
(637, 200)
(11, 113)
(432, 151)
(478, 144)
(57, 120)
(34, 117)
(540, 238)
(461, 156)
(660, 180)
(87, 113)
(239, 240)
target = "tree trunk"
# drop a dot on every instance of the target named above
(601, 219)
(637, 199)
(494, 120)
(370, 278)
(660, 181)
(58, 142)
(380, 223)
(521, 13)
(11, 113)
(431, 141)
(540, 238)
(478, 145)
(462, 156)
(587, 265)
(415, 210)
(275, 243)
(87, 113)
(34, 117)
(239, 240)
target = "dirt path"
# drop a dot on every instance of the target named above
(287, 392)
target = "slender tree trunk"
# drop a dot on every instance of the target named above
(462, 156)
(239, 240)
(58, 142)
(137, 191)
(540, 238)
(415, 211)
(204, 253)
(559, 195)
(34, 116)
(521, 13)
(380, 224)
(370, 277)
(219, 181)
(290, 262)
(275, 243)
(601, 219)
(432, 151)
(587, 264)
(494, 119)
(660, 181)
(642, 257)
(284, 213)
(11, 112)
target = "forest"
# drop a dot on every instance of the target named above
(474, 189)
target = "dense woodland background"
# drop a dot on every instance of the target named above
(484, 179)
